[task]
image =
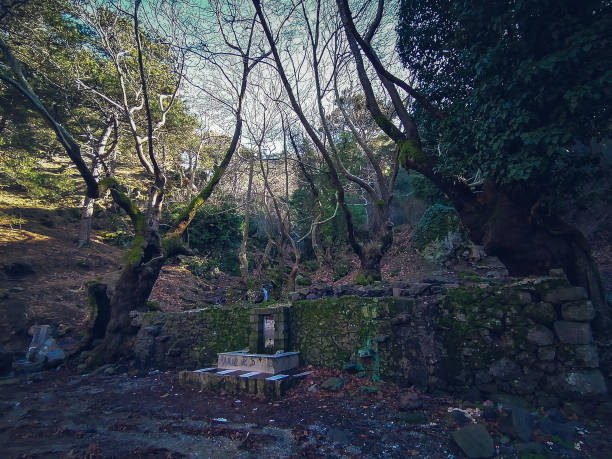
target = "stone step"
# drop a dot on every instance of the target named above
(269, 386)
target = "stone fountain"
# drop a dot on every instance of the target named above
(268, 368)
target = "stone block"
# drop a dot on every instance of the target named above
(505, 369)
(573, 332)
(579, 384)
(546, 353)
(580, 311)
(582, 356)
(540, 335)
(565, 294)
(543, 313)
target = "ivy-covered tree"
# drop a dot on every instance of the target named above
(506, 89)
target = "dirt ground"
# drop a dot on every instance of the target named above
(63, 414)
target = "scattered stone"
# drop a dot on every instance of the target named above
(410, 401)
(312, 388)
(332, 384)
(52, 353)
(566, 294)
(40, 334)
(530, 447)
(573, 332)
(580, 311)
(474, 440)
(516, 423)
(16, 289)
(540, 335)
(505, 369)
(110, 371)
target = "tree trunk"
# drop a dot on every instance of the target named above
(242, 254)
(529, 241)
(86, 222)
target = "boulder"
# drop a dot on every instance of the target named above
(573, 332)
(540, 335)
(474, 440)
(565, 294)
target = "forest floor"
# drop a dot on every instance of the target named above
(65, 414)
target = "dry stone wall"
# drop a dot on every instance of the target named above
(530, 337)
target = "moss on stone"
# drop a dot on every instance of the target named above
(331, 331)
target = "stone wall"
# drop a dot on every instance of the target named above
(530, 338)
(190, 339)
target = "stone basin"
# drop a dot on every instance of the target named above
(264, 363)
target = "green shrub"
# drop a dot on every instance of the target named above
(435, 225)
(341, 269)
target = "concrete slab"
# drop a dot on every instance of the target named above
(262, 363)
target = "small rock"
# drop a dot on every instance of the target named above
(474, 440)
(312, 388)
(109, 371)
(531, 447)
(573, 332)
(410, 401)
(566, 294)
(16, 289)
(332, 384)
